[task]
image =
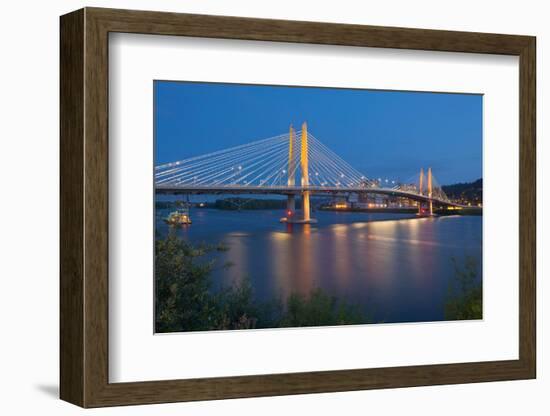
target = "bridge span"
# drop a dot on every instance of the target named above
(274, 165)
(295, 190)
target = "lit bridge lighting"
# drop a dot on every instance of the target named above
(281, 165)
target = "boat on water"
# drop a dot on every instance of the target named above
(178, 217)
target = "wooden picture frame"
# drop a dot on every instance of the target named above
(84, 207)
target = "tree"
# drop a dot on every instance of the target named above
(320, 309)
(183, 301)
(464, 300)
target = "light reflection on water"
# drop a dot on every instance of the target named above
(398, 270)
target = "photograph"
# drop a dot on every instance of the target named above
(290, 206)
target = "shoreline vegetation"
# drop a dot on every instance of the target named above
(185, 301)
(465, 293)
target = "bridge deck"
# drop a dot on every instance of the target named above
(297, 190)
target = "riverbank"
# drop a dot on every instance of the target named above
(411, 210)
(229, 204)
(254, 204)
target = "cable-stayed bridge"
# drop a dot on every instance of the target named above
(292, 164)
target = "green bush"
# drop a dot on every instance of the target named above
(182, 287)
(464, 300)
(319, 309)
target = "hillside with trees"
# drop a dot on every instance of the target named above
(470, 192)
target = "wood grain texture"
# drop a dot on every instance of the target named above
(96, 207)
(71, 213)
(84, 207)
(162, 23)
(527, 207)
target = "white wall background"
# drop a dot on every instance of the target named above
(29, 158)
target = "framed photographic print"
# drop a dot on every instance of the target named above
(255, 207)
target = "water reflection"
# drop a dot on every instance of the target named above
(398, 268)
(283, 265)
(238, 259)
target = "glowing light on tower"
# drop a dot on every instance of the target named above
(305, 173)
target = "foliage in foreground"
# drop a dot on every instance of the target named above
(320, 309)
(464, 300)
(181, 290)
(185, 302)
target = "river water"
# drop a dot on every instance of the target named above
(396, 266)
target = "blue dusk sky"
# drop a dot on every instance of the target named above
(389, 134)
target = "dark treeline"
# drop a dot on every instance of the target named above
(467, 192)
(169, 204)
(464, 300)
(232, 204)
(237, 203)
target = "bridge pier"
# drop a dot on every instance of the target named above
(290, 216)
(430, 208)
(290, 205)
(430, 191)
(304, 167)
(305, 206)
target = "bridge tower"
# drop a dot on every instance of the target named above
(305, 174)
(421, 181)
(420, 191)
(430, 185)
(429, 190)
(291, 199)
